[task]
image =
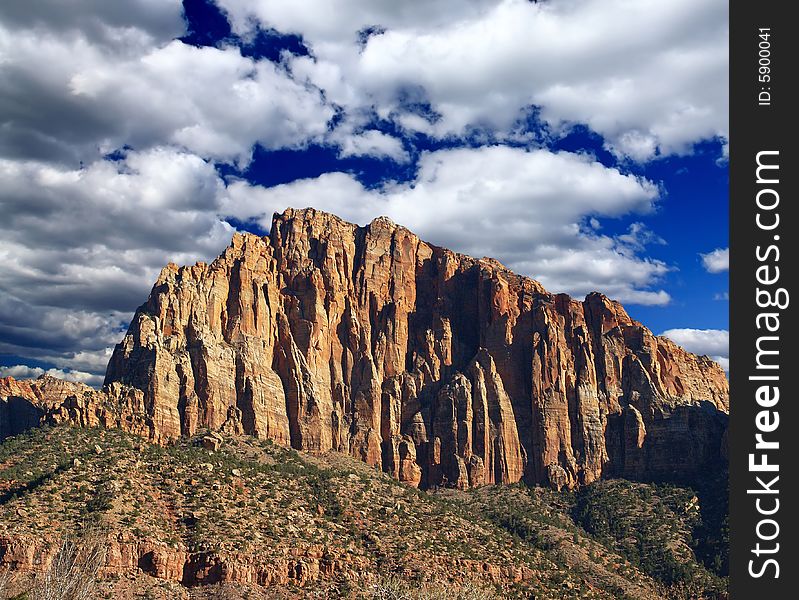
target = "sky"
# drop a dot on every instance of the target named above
(580, 142)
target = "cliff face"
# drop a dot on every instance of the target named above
(439, 368)
(24, 404)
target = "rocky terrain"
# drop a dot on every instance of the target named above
(227, 516)
(440, 369)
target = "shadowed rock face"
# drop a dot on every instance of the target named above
(437, 367)
(23, 404)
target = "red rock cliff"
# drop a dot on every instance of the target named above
(437, 367)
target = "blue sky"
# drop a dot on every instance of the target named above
(581, 142)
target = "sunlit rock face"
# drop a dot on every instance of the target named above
(436, 367)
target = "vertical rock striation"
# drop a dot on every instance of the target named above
(438, 368)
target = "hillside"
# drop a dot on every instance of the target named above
(439, 368)
(236, 517)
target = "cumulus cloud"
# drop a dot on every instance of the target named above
(716, 261)
(83, 234)
(650, 77)
(20, 372)
(103, 21)
(526, 208)
(69, 97)
(81, 247)
(370, 143)
(714, 343)
(26, 372)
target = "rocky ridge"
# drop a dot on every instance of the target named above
(436, 367)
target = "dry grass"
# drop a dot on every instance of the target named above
(395, 588)
(72, 574)
(5, 582)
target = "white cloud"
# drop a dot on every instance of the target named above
(714, 343)
(82, 238)
(717, 261)
(329, 21)
(650, 76)
(105, 22)
(20, 372)
(701, 341)
(525, 208)
(81, 247)
(638, 237)
(68, 97)
(371, 143)
(26, 372)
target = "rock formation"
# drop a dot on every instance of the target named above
(438, 368)
(24, 404)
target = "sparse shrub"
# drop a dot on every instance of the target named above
(396, 588)
(648, 525)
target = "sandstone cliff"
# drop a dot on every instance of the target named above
(24, 404)
(438, 368)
